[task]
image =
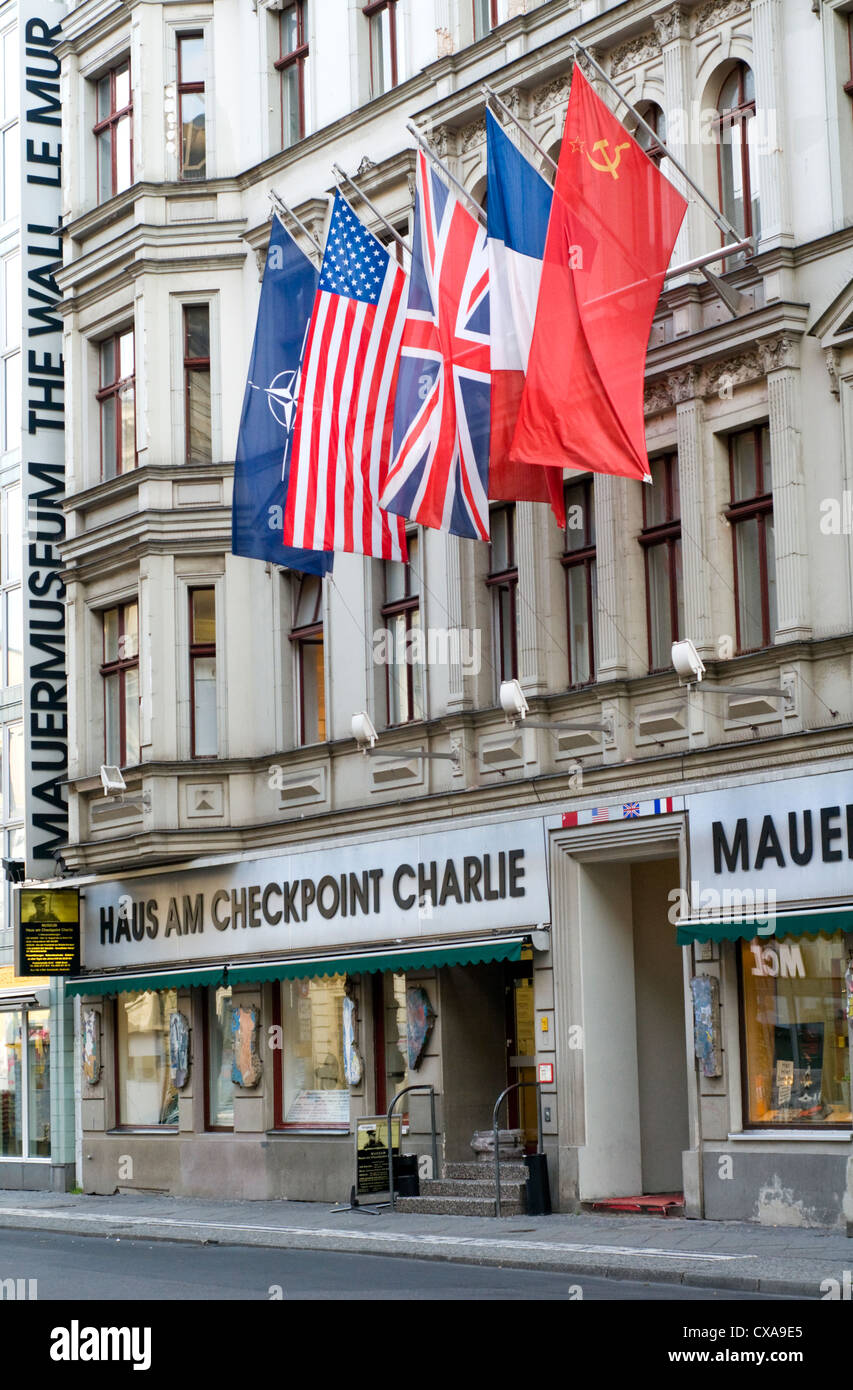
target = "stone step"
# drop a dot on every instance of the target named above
(511, 1188)
(480, 1171)
(458, 1206)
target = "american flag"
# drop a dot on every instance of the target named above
(440, 469)
(342, 431)
(600, 813)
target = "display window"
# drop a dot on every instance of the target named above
(25, 1083)
(146, 1096)
(311, 1085)
(220, 1060)
(796, 1038)
(390, 1032)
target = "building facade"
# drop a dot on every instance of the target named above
(285, 911)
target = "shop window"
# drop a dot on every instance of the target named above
(735, 128)
(203, 714)
(581, 592)
(219, 1058)
(661, 542)
(10, 352)
(751, 517)
(117, 404)
(656, 120)
(114, 132)
(197, 415)
(306, 636)
(795, 1035)
(311, 1086)
(382, 23)
(120, 676)
(191, 106)
(146, 1096)
(485, 17)
(390, 1037)
(291, 65)
(25, 1083)
(503, 584)
(401, 616)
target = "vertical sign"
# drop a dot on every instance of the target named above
(42, 437)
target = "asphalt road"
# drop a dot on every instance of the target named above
(106, 1269)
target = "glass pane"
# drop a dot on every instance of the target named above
(396, 1036)
(13, 399)
(204, 617)
(504, 634)
(108, 362)
(38, 1082)
(109, 408)
(14, 637)
(315, 1087)
(124, 170)
(654, 494)
(679, 592)
(743, 466)
(199, 430)
(579, 525)
(129, 640)
(752, 156)
(291, 106)
(501, 528)
(131, 716)
(749, 584)
(193, 136)
(289, 29)
(196, 330)
(112, 726)
(122, 87)
(105, 165)
(577, 597)
(380, 53)
(192, 57)
(220, 1042)
(308, 601)
(146, 1094)
(205, 741)
(16, 771)
(797, 1042)
(126, 406)
(730, 92)
(398, 679)
(417, 710)
(125, 355)
(11, 171)
(770, 547)
(11, 1083)
(313, 692)
(11, 93)
(104, 97)
(12, 533)
(482, 18)
(660, 621)
(766, 461)
(12, 302)
(413, 574)
(731, 169)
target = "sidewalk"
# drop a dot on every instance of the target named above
(711, 1254)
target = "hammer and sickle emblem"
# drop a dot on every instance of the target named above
(611, 162)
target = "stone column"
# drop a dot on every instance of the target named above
(673, 31)
(611, 658)
(768, 127)
(698, 617)
(780, 359)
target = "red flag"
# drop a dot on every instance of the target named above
(614, 220)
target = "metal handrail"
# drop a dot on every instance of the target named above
(539, 1149)
(405, 1091)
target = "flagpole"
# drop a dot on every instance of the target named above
(336, 169)
(481, 212)
(281, 206)
(490, 91)
(720, 218)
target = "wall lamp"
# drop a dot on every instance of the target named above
(365, 736)
(515, 707)
(690, 668)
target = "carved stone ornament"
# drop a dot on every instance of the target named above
(717, 12)
(832, 361)
(473, 135)
(719, 378)
(553, 93)
(637, 50)
(365, 166)
(672, 24)
(779, 351)
(658, 397)
(683, 383)
(441, 140)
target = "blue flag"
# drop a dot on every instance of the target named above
(269, 408)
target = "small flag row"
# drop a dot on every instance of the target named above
(623, 810)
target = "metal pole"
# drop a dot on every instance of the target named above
(720, 218)
(336, 168)
(540, 1137)
(434, 1135)
(523, 128)
(281, 206)
(481, 212)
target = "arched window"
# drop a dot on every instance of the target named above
(656, 120)
(735, 153)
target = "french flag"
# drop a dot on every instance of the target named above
(519, 205)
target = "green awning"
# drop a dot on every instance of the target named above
(816, 922)
(302, 967)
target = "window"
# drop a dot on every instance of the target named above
(307, 638)
(25, 1083)
(292, 58)
(848, 86)
(204, 738)
(390, 1039)
(503, 582)
(11, 396)
(11, 601)
(736, 167)
(146, 1096)
(795, 1036)
(311, 1087)
(114, 132)
(10, 131)
(117, 402)
(120, 675)
(191, 106)
(485, 17)
(751, 518)
(199, 448)
(661, 542)
(382, 22)
(656, 120)
(401, 612)
(581, 595)
(219, 1059)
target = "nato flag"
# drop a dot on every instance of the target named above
(269, 407)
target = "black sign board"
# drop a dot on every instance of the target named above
(48, 933)
(371, 1153)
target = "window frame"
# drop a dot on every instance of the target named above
(406, 607)
(504, 581)
(199, 365)
(651, 112)
(739, 115)
(296, 57)
(668, 533)
(301, 637)
(372, 11)
(124, 1125)
(113, 390)
(280, 1124)
(111, 122)
(200, 651)
(585, 556)
(26, 1094)
(757, 507)
(183, 89)
(206, 1021)
(493, 19)
(848, 85)
(119, 667)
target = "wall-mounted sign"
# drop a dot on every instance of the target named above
(545, 1073)
(48, 931)
(371, 1153)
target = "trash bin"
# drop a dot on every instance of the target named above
(538, 1188)
(406, 1181)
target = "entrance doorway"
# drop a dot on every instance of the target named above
(521, 1048)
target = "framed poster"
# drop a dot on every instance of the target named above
(47, 935)
(371, 1153)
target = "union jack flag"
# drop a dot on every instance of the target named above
(342, 431)
(439, 472)
(631, 809)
